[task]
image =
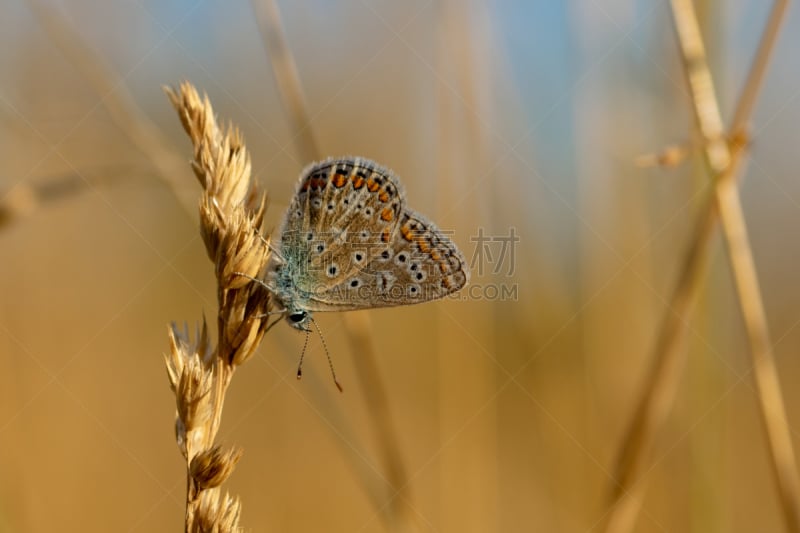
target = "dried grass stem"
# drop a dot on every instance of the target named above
(724, 160)
(231, 214)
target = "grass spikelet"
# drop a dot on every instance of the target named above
(231, 214)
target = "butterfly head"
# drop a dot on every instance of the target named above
(299, 319)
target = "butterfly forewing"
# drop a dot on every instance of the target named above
(342, 216)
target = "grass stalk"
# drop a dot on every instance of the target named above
(369, 378)
(734, 229)
(231, 214)
(287, 78)
(114, 96)
(724, 160)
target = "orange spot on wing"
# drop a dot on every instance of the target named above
(444, 267)
(304, 188)
(383, 197)
(385, 235)
(424, 247)
(372, 186)
(406, 232)
(358, 182)
(387, 214)
(446, 283)
(435, 255)
(339, 180)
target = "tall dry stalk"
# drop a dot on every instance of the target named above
(355, 325)
(114, 96)
(287, 78)
(740, 255)
(123, 110)
(231, 214)
(723, 153)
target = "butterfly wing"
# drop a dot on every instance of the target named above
(420, 264)
(351, 243)
(342, 216)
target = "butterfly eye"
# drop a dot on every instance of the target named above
(358, 257)
(297, 317)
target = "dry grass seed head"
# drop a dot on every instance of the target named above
(215, 515)
(210, 468)
(231, 215)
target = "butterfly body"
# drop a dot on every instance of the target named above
(349, 242)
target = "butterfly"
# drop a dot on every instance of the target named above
(348, 241)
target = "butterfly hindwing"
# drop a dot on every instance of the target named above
(420, 264)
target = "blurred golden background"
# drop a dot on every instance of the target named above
(503, 410)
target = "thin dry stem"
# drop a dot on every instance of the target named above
(740, 255)
(662, 381)
(114, 96)
(758, 69)
(268, 18)
(370, 380)
(25, 198)
(380, 413)
(724, 161)
(231, 214)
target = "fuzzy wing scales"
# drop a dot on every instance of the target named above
(420, 264)
(342, 216)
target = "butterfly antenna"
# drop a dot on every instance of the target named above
(251, 278)
(271, 291)
(272, 249)
(268, 244)
(328, 355)
(302, 355)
